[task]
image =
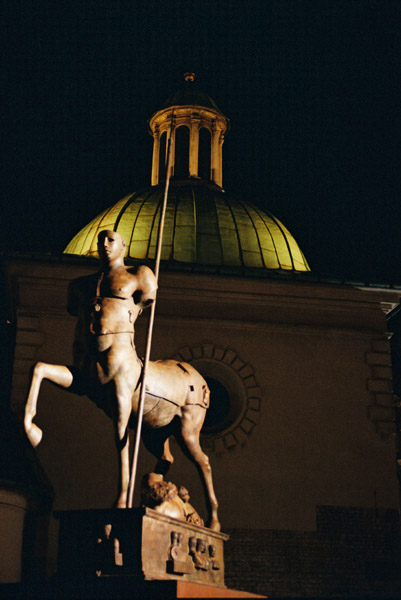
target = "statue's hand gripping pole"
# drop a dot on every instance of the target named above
(150, 325)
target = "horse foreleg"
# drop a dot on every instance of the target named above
(121, 419)
(58, 374)
(190, 436)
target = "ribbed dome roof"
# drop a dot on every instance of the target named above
(190, 95)
(203, 226)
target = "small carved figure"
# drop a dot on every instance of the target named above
(197, 549)
(179, 560)
(175, 548)
(109, 549)
(107, 369)
(213, 561)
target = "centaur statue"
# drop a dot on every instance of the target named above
(107, 369)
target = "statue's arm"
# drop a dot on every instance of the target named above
(145, 293)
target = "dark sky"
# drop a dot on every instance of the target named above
(312, 89)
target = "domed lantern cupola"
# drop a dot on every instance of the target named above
(204, 225)
(197, 127)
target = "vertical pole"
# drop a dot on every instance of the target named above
(150, 326)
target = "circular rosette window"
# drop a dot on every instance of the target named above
(235, 395)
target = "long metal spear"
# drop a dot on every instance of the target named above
(150, 326)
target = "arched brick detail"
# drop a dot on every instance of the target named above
(243, 375)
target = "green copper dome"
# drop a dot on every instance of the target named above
(203, 226)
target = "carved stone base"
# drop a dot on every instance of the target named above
(138, 542)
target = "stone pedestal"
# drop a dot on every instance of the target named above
(139, 550)
(138, 542)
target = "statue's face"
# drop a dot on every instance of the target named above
(110, 245)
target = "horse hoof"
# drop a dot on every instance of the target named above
(34, 434)
(121, 502)
(215, 525)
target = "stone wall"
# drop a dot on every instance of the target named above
(354, 552)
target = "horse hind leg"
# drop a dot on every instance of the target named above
(58, 374)
(191, 425)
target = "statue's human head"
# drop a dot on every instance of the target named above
(110, 245)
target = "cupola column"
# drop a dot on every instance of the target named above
(216, 157)
(220, 172)
(194, 147)
(172, 135)
(155, 157)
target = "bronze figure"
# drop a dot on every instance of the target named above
(107, 369)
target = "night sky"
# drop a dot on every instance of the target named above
(312, 90)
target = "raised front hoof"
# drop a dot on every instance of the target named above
(34, 434)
